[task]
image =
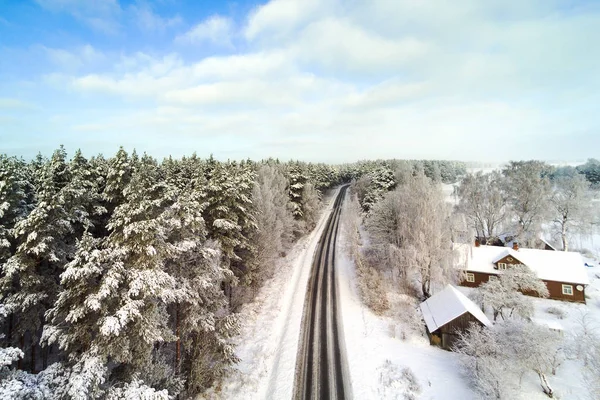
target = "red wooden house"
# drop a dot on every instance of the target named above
(563, 272)
(448, 313)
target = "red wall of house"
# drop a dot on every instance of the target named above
(554, 288)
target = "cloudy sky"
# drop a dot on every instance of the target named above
(318, 80)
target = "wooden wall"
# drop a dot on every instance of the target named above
(554, 288)
(446, 336)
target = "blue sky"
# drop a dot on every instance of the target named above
(319, 80)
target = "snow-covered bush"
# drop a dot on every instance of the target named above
(136, 390)
(556, 311)
(397, 383)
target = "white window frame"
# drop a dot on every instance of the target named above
(502, 266)
(569, 291)
(470, 277)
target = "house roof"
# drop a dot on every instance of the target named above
(558, 266)
(448, 305)
(506, 252)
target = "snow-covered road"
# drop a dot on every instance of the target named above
(268, 343)
(321, 365)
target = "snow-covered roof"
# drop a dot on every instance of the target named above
(506, 252)
(558, 266)
(448, 305)
(548, 244)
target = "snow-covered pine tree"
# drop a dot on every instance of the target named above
(29, 279)
(297, 180)
(228, 215)
(135, 290)
(82, 196)
(118, 174)
(16, 201)
(382, 180)
(203, 324)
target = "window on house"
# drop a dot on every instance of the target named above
(470, 277)
(501, 265)
(567, 289)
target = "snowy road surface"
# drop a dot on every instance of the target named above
(321, 367)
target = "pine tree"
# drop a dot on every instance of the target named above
(203, 324)
(228, 213)
(297, 181)
(119, 171)
(30, 277)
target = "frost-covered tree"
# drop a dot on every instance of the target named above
(486, 364)
(527, 188)
(83, 196)
(571, 204)
(415, 221)
(496, 358)
(483, 202)
(311, 205)
(274, 219)
(505, 294)
(532, 346)
(591, 170)
(73, 320)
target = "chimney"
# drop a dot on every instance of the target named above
(477, 243)
(515, 246)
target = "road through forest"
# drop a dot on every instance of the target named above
(321, 366)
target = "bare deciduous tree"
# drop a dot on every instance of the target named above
(527, 187)
(483, 202)
(274, 219)
(571, 204)
(414, 221)
(504, 295)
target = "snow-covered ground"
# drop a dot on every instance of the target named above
(268, 343)
(569, 319)
(373, 345)
(375, 352)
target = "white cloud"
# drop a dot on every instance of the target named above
(280, 17)
(73, 59)
(216, 30)
(148, 20)
(339, 45)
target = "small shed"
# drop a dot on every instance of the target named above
(448, 313)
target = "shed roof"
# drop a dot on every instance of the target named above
(558, 266)
(448, 305)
